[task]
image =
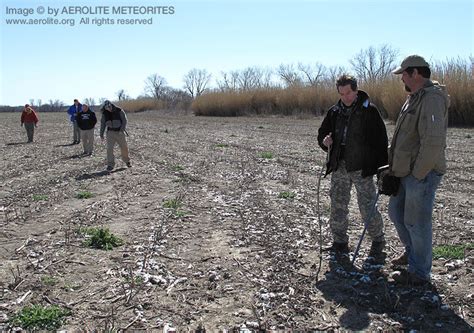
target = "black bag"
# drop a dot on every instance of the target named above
(387, 183)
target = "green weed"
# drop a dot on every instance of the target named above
(84, 195)
(175, 204)
(451, 251)
(38, 317)
(49, 280)
(40, 197)
(180, 213)
(287, 195)
(137, 280)
(267, 155)
(172, 204)
(177, 168)
(101, 238)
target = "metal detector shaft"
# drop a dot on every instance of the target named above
(320, 222)
(366, 224)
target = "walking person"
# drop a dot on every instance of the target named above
(115, 121)
(417, 157)
(72, 112)
(86, 121)
(354, 135)
(30, 119)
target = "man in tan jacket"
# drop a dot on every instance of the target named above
(417, 157)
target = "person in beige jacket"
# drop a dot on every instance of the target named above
(417, 157)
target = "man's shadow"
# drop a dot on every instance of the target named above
(98, 174)
(368, 290)
(72, 157)
(65, 145)
(16, 143)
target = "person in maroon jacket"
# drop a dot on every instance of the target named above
(30, 119)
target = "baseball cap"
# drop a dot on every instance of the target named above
(411, 61)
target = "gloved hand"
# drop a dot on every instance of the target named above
(386, 182)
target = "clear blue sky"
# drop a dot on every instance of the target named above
(65, 62)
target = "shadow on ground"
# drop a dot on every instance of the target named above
(98, 174)
(368, 297)
(65, 145)
(16, 143)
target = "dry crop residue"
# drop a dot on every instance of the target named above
(219, 222)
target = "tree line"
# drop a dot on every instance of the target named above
(372, 66)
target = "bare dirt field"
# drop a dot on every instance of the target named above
(220, 226)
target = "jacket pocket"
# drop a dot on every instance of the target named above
(401, 163)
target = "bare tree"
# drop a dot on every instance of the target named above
(333, 73)
(374, 64)
(250, 78)
(246, 79)
(471, 58)
(313, 73)
(176, 98)
(195, 81)
(89, 101)
(32, 101)
(154, 85)
(229, 81)
(54, 106)
(290, 75)
(39, 102)
(122, 95)
(267, 78)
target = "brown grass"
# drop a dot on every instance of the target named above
(288, 101)
(458, 76)
(141, 104)
(389, 95)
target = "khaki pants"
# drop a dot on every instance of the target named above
(113, 138)
(87, 137)
(30, 130)
(76, 132)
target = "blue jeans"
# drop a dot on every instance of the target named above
(411, 212)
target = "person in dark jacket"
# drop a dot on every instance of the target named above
(115, 121)
(72, 112)
(354, 135)
(86, 121)
(30, 119)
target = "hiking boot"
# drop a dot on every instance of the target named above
(404, 277)
(341, 248)
(376, 249)
(110, 168)
(129, 165)
(401, 260)
(376, 254)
